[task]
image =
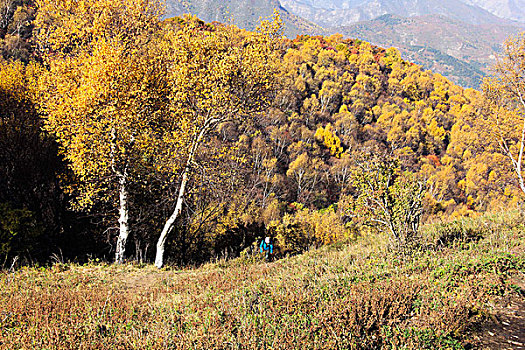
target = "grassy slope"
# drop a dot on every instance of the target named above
(358, 295)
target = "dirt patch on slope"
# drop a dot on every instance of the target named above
(505, 327)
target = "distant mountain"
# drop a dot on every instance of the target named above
(457, 38)
(332, 13)
(460, 51)
(509, 9)
(244, 13)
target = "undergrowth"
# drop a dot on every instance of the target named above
(354, 296)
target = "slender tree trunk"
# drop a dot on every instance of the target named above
(168, 226)
(123, 220)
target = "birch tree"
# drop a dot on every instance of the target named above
(505, 94)
(218, 74)
(103, 94)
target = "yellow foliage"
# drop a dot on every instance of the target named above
(308, 228)
(104, 89)
(330, 140)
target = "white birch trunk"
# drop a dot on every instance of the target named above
(170, 223)
(123, 221)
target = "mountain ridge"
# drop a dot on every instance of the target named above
(462, 57)
(244, 13)
(343, 12)
(510, 9)
(459, 39)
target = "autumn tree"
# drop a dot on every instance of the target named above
(505, 94)
(388, 198)
(305, 174)
(217, 75)
(104, 94)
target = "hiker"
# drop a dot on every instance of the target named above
(266, 246)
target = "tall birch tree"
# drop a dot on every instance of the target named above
(103, 94)
(218, 74)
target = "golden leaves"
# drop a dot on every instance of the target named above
(102, 81)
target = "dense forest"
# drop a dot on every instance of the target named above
(123, 136)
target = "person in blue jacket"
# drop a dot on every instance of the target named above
(266, 246)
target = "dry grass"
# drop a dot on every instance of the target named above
(359, 296)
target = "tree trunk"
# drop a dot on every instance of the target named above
(168, 226)
(123, 221)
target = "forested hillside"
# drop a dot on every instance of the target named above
(458, 39)
(465, 57)
(124, 135)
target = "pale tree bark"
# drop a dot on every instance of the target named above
(123, 221)
(522, 144)
(170, 223)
